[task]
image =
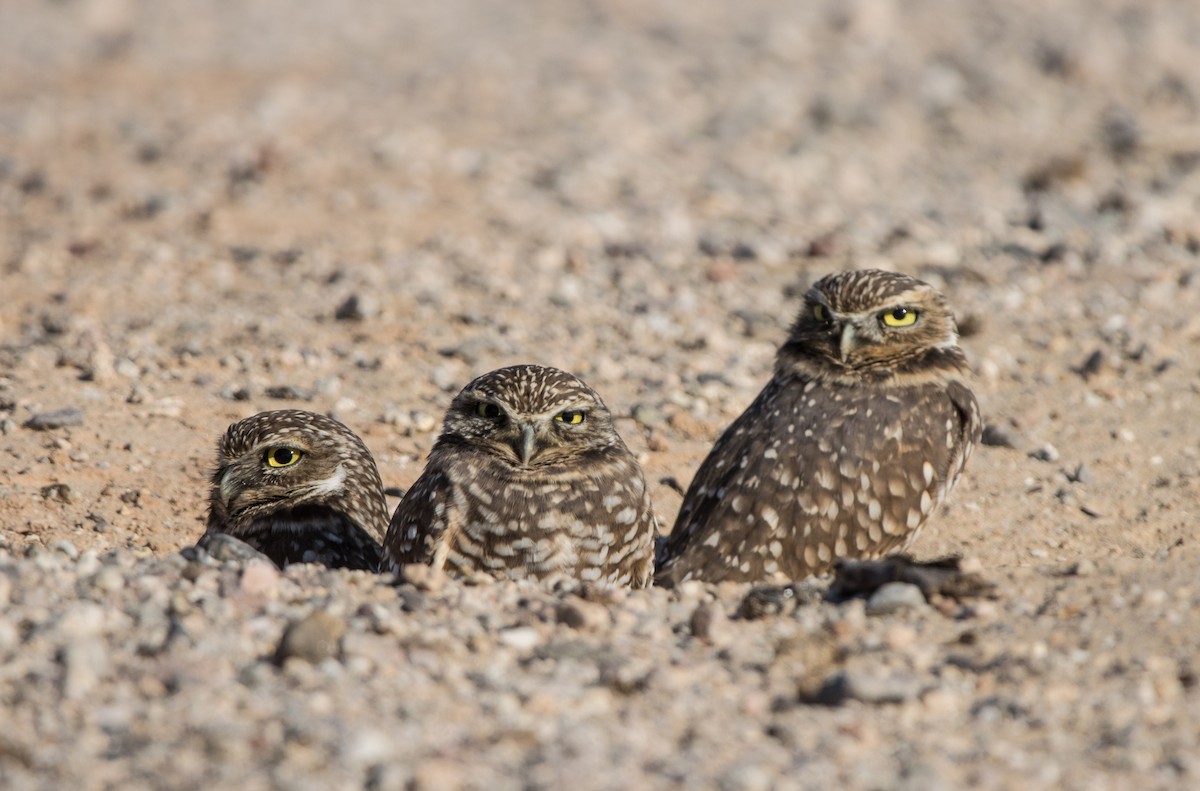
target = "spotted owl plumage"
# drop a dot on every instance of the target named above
(849, 449)
(528, 479)
(298, 487)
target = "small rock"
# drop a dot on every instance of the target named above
(437, 774)
(356, 308)
(235, 392)
(109, 579)
(1046, 452)
(60, 492)
(895, 597)
(411, 599)
(767, 600)
(1002, 437)
(898, 636)
(522, 638)
(314, 638)
(259, 579)
(648, 415)
(423, 578)
(10, 637)
(288, 393)
(582, 615)
(1084, 568)
(65, 548)
(708, 623)
(1092, 365)
(222, 547)
(85, 663)
(1082, 474)
(970, 565)
(691, 589)
(59, 418)
(848, 685)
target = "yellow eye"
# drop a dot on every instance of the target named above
(283, 457)
(484, 409)
(900, 317)
(820, 314)
(571, 417)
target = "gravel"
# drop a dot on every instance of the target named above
(362, 210)
(145, 667)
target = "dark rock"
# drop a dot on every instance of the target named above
(288, 393)
(59, 418)
(767, 600)
(846, 685)
(935, 577)
(1001, 437)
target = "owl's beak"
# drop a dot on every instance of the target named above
(526, 444)
(229, 487)
(850, 341)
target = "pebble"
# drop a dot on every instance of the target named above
(10, 638)
(85, 662)
(288, 393)
(437, 774)
(767, 600)
(107, 580)
(1083, 568)
(59, 418)
(583, 615)
(313, 638)
(60, 492)
(357, 308)
(1002, 437)
(1046, 452)
(259, 579)
(709, 623)
(521, 638)
(424, 578)
(648, 415)
(1081, 474)
(844, 686)
(893, 597)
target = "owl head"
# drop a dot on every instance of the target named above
(530, 417)
(289, 459)
(871, 322)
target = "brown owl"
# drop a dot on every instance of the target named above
(528, 479)
(300, 488)
(853, 444)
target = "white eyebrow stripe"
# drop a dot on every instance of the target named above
(332, 484)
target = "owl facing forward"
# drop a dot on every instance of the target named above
(300, 488)
(528, 479)
(853, 444)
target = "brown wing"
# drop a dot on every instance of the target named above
(699, 542)
(813, 472)
(969, 425)
(420, 522)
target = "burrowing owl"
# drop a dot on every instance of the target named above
(858, 438)
(300, 488)
(528, 479)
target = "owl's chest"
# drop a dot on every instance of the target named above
(860, 418)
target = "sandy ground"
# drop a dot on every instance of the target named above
(213, 209)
